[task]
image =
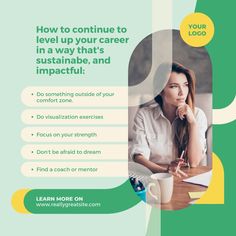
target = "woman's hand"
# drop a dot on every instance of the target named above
(174, 168)
(184, 111)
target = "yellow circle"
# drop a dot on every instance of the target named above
(197, 29)
(17, 201)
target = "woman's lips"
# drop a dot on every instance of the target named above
(181, 100)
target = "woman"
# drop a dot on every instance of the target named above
(172, 125)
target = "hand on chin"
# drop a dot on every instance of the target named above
(182, 110)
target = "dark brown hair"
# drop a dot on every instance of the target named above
(181, 137)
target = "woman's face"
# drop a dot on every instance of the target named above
(176, 90)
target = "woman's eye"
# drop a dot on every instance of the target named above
(173, 86)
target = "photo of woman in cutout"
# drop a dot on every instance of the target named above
(172, 126)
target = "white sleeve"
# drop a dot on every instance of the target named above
(202, 127)
(139, 144)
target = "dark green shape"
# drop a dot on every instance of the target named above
(111, 200)
(215, 220)
(221, 49)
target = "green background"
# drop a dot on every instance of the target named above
(18, 20)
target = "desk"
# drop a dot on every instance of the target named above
(180, 198)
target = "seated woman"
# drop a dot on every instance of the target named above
(172, 125)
